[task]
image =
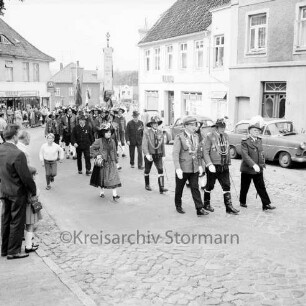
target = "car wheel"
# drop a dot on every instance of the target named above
(233, 152)
(166, 141)
(284, 159)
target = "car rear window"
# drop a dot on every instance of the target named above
(242, 128)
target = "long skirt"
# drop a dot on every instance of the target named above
(105, 177)
(31, 217)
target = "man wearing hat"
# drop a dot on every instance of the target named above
(217, 160)
(120, 120)
(134, 134)
(188, 163)
(68, 124)
(52, 126)
(253, 163)
(82, 138)
(153, 147)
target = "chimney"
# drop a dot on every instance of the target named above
(61, 66)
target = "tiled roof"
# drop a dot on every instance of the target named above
(66, 75)
(19, 46)
(183, 17)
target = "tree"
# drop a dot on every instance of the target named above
(2, 7)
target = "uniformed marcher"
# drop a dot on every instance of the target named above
(217, 159)
(153, 147)
(253, 163)
(188, 163)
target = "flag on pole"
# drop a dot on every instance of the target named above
(87, 97)
(78, 98)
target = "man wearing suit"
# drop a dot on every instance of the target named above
(188, 163)
(68, 123)
(82, 138)
(133, 136)
(16, 183)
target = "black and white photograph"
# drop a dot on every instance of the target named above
(153, 152)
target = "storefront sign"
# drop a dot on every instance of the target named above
(19, 94)
(168, 78)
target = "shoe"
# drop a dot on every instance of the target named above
(80, 172)
(74, 157)
(140, 168)
(180, 210)
(148, 187)
(202, 212)
(119, 168)
(268, 207)
(243, 205)
(208, 207)
(116, 198)
(102, 195)
(17, 256)
(48, 187)
(32, 249)
(132, 166)
(3, 254)
(88, 172)
(123, 155)
(67, 156)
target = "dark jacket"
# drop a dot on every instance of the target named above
(148, 142)
(251, 153)
(15, 176)
(83, 137)
(106, 148)
(134, 132)
(65, 123)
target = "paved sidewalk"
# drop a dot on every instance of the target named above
(36, 280)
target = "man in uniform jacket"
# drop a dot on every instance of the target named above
(217, 160)
(68, 124)
(153, 147)
(252, 165)
(120, 120)
(52, 126)
(82, 138)
(134, 134)
(16, 184)
(188, 163)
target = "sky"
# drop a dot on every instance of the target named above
(71, 30)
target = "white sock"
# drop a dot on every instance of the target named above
(114, 192)
(102, 191)
(28, 240)
(118, 166)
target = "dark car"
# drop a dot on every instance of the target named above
(280, 141)
(172, 130)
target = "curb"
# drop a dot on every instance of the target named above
(65, 279)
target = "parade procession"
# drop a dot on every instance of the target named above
(164, 166)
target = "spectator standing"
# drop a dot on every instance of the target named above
(16, 184)
(3, 125)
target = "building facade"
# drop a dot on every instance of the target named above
(24, 71)
(268, 67)
(184, 60)
(63, 86)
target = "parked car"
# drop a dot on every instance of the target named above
(172, 130)
(280, 141)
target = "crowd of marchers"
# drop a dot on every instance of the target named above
(100, 136)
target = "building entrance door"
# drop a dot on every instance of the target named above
(243, 108)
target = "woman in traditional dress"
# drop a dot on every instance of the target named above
(105, 173)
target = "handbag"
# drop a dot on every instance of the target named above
(98, 162)
(35, 205)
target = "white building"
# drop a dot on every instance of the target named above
(184, 59)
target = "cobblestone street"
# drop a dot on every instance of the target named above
(266, 267)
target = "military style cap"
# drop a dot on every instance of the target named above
(135, 113)
(189, 120)
(220, 123)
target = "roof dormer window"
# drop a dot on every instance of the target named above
(4, 40)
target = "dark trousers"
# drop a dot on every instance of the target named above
(86, 153)
(132, 154)
(158, 162)
(193, 179)
(222, 175)
(12, 224)
(259, 185)
(57, 138)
